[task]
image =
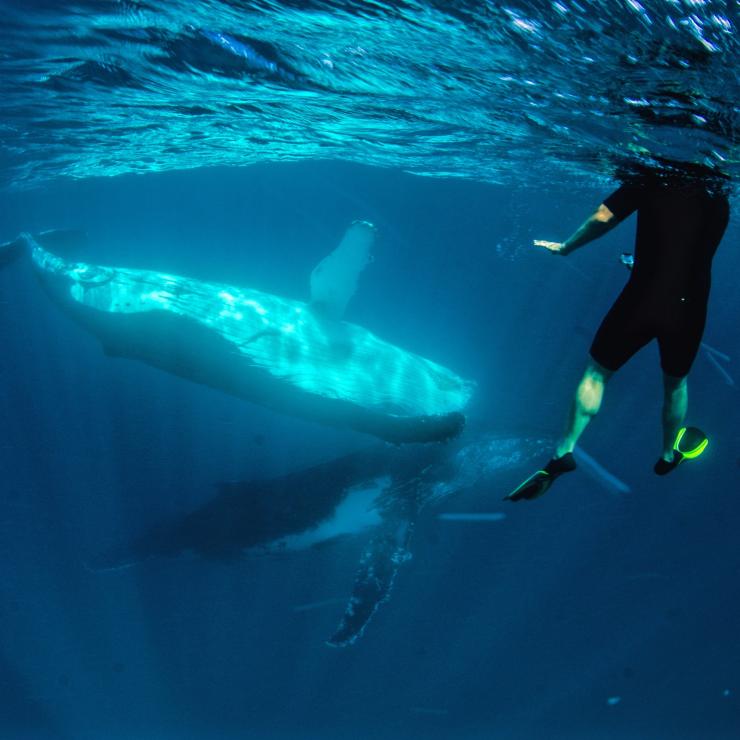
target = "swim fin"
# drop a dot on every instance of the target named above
(538, 483)
(690, 443)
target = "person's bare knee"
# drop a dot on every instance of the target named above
(673, 385)
(590, 393)
(591, 388)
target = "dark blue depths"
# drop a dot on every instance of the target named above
(589, 613)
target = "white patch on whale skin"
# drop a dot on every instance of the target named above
(334, 279)
(356, 513)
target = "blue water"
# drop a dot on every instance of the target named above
(235, 142)
(461, 89)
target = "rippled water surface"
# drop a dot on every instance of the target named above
(500, 92)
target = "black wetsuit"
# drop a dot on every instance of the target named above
(678, 232)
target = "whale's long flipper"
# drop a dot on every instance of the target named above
(374, 579)
(386, 551)
(334, 279)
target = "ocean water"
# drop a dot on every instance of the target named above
(234, 142)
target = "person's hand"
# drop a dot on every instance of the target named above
(555, 247)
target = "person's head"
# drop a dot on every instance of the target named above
(674, 174)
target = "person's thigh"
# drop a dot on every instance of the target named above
(625, 330)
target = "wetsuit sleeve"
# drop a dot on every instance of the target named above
(623, 201)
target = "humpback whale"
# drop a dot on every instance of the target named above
(296, 357)
(375, 493)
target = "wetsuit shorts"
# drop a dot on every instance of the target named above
(633, 321)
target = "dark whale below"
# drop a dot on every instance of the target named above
(377, 494)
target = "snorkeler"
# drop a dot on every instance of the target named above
(682, 215)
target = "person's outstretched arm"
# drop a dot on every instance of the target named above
(600, 221)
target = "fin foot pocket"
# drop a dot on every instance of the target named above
(663, 467)
(538, 483)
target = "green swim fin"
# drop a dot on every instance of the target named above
(534, 487)
(690, 443)
(538, 483)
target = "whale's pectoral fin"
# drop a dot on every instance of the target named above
(374, 579)
(334, 279)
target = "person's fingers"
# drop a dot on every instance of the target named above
(552, 246)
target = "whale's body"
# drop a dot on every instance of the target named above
(376, 493)
(279, 352)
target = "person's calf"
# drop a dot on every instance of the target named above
(675, 405)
